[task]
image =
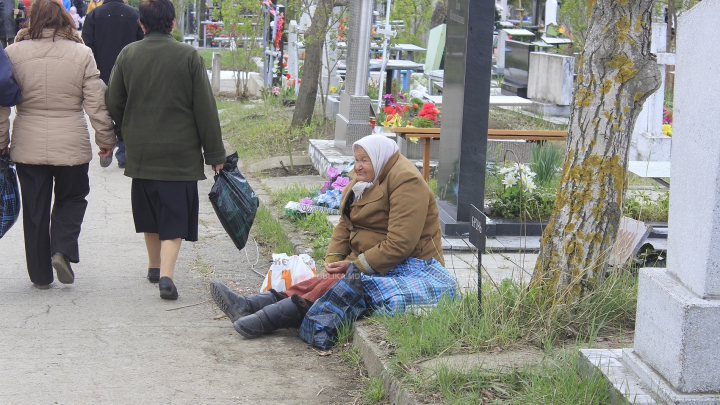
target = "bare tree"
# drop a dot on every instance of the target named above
(616, 75)
(314, 41)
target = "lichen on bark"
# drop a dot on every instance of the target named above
(616, 74)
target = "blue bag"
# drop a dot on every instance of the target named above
(9, 195)
(344, 302)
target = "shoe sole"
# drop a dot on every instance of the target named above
(246, 334)
(105, 161)
(65, 274)
(222, 303)
(169, 295)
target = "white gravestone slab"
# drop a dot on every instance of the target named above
(648, 142)
(550, 79)
(677, 333)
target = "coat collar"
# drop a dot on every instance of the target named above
(70, 34)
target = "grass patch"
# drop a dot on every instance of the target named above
(260, 129)
(375, 391)
(225, 58)
(554, 381)
(316, 227)
(271, 232)
(501, 118)
(511, 314)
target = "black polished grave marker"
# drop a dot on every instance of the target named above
(466, 103)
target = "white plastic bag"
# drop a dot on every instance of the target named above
(287, 271)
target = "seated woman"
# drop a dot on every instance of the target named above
(389, 226)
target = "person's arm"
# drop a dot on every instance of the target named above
(4, 129)
(94, 105)
(9, 91)
(116, 96)
(405, 225)
(206, 114)
(21, 10)
(88, 31)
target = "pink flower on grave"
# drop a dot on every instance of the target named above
(306, 200)
(332, 173)
(276, 91)
(325, 186)
(340, 183)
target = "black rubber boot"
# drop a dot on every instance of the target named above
(282, 314)
(236, 306)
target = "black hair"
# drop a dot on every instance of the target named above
(157, 15)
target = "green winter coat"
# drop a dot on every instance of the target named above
(161, 101)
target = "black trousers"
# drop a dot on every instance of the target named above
(42, 239)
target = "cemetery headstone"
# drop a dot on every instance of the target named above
(676, 352)
(466, 103)
(215, 73)
(293, 52)
(648, 142)
(353, 120)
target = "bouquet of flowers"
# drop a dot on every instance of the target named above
(330, 193)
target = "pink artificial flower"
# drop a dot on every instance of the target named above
(276, 91)
(332, 173)
(325, 186)
(340, 183)
(306, 200)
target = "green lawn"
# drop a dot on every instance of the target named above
(225, 58)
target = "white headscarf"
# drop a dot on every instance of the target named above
(379, 148)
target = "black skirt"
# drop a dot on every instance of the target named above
(168, 208)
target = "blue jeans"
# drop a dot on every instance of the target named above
(120, 153)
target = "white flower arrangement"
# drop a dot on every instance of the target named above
(518, 174)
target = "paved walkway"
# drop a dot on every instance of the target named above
(109, 338)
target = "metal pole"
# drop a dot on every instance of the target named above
(386, 32)
(479, 282)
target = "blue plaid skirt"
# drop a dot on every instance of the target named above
(414, 282)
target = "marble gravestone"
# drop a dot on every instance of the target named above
(466, 99)
(353, 120)
(676, 354)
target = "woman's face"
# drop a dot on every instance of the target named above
(363, 166)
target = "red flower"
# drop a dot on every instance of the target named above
(389, 110)
(287, 75)
(284, 64)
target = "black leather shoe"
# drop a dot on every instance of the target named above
(153, 275)
(168, 291)
(61, 264)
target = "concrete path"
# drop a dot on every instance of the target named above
(109, 338)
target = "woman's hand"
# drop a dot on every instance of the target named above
(105, 152)
(219, 167)
(337, 267)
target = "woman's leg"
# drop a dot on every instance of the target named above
(169, 250)
(152, 242)
(36, 191)
(72, 185)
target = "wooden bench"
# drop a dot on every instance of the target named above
(428, 134)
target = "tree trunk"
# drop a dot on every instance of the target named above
(616, 74)
(314, 39)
